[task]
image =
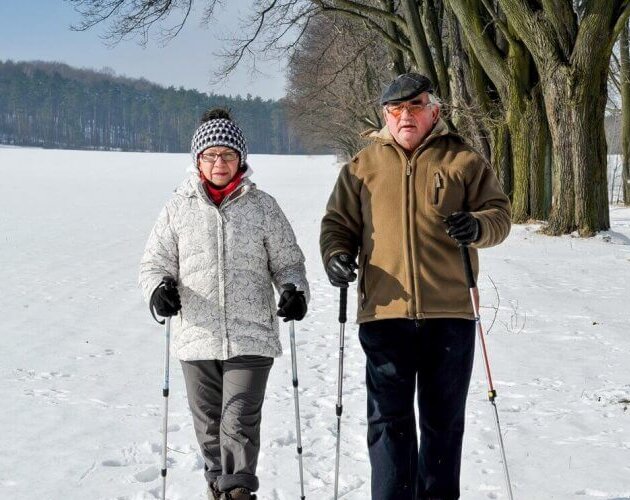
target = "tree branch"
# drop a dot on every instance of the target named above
(594, 38)
(375, 26)
(505, 29)
(563, 19)
(366, 10)
(237, 55)
(485, 51)
(534, 29)
(624, 15)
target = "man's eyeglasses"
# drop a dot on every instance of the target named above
(414, 107)
(214, 157)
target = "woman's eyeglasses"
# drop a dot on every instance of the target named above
(214, 157)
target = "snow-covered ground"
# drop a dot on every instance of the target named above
(81, 358)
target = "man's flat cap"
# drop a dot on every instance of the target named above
(405, 87)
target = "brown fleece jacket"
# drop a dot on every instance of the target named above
(388, 209)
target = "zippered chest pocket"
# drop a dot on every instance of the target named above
(444, 195)
(438, 186)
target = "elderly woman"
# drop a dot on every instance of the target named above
(225, 243)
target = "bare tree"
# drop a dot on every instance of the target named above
(335, 76)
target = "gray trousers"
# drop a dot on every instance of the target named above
(225, 398)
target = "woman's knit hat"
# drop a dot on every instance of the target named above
(218, 129)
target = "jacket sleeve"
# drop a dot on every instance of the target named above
(286, 260)
(161, 254)
(489, 204)
(342, 224)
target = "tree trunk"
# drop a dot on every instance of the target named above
(539, 203)
(420, 48)
(528, 155)
(575, 110)
(431, 22)
(470, 105)
(502, 156)
(625, 111)
(397, 65)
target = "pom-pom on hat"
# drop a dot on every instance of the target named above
(218, 129)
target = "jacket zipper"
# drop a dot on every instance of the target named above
(408, 223)
(411, 273)
(221, 269)
(411, 200)
(221, 262)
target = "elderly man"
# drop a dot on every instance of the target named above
(400, 209)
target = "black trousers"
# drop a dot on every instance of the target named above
(434, 357)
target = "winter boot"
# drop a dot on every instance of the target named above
(213, 491)
(238, 494)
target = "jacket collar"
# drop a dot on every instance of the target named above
(192, 186)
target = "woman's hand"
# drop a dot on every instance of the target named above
(165, 299)
(292, 303)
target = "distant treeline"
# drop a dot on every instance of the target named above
(54, 105)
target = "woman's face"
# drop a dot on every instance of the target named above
(218, 164)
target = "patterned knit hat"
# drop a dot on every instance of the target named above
(218, 129)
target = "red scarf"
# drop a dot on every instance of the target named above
(217, 194)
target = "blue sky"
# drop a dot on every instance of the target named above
(39, 30)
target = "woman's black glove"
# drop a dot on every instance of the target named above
(340, 270)
(463, 227)
(292, 303)
(165, 299)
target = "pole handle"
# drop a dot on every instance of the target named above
(470, 278)
(343, 304)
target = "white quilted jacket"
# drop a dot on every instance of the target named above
(226, 261)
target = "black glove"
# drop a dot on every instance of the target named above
(292, 303)
(340, 270)
(165, 299)
(463, 227)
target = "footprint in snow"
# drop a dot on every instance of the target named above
(25, 374)
(113, 463)
(147, 475)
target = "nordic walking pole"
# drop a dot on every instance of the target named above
(167, 330)
(343, 302)
(492, 393)
(168, 284)
(297, 404)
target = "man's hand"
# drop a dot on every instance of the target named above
(340, 270)
(463, 227)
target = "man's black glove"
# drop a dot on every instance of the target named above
(340, 270)
(292, 303)
(165, 299)
(463, 227)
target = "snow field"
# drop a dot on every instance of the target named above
(81, 372)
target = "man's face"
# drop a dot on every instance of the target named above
(411, 121)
